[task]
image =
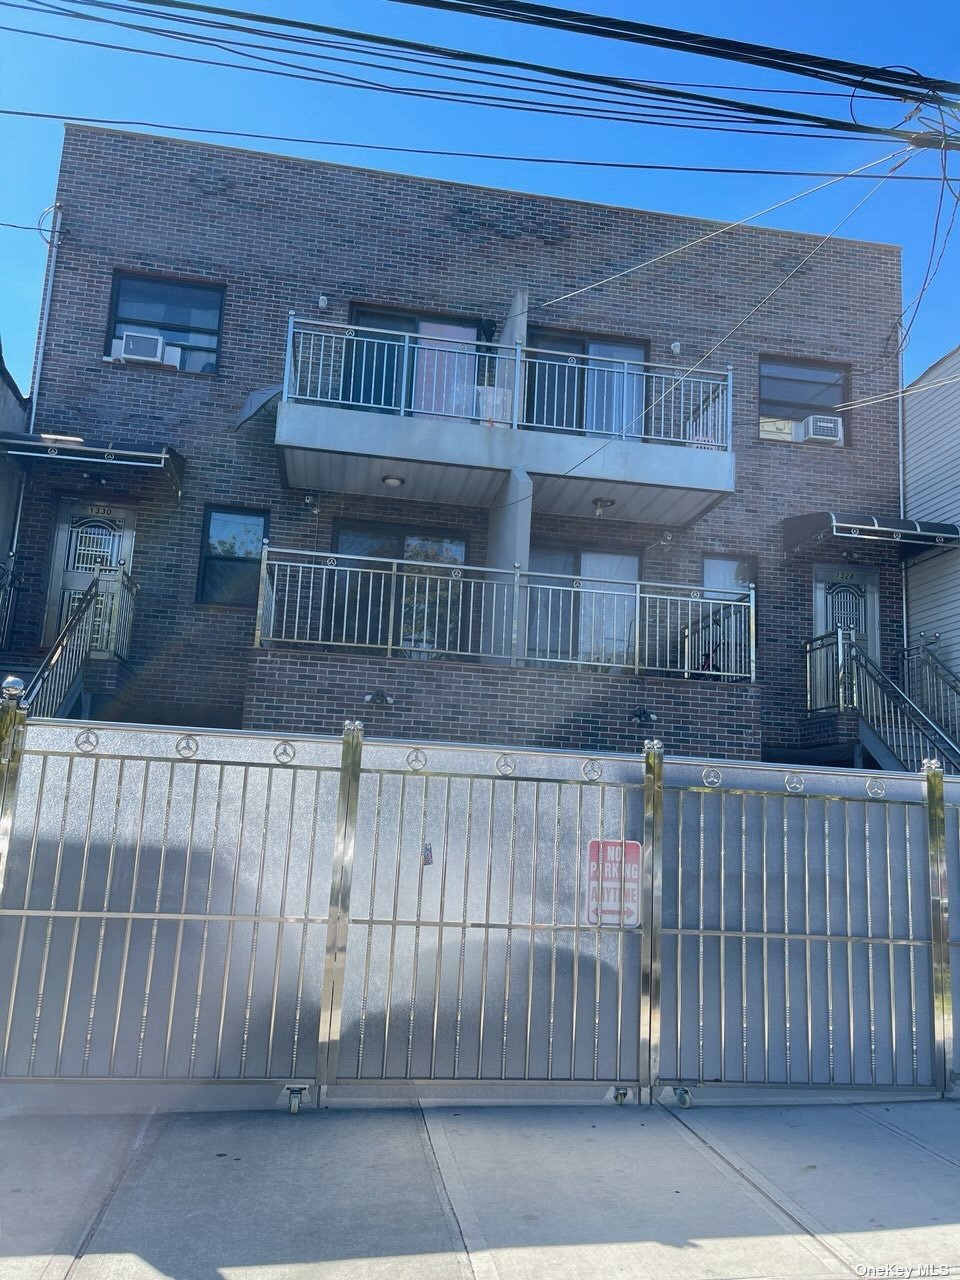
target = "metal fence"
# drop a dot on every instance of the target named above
(403, 373)
(933, 687)
(388, 920)
(418, 610)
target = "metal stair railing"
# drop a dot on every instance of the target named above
(904, 727)
(56, 679)
(933, 686)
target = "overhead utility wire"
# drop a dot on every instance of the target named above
(772, 113)
(895, 395)
(494, 102)
(115, 122)
(869, 78)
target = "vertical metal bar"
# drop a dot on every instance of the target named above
(371, 906)
(752, 624)
(517, 379)
(404, 375)
(515, 620)
(331, 1000)
(261, 594)
(653, 908)
(288, 358)
(939, 925)
(728, 425)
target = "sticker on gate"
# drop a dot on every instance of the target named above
(613, 884)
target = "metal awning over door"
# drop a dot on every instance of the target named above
(45, 447)
(912, 535)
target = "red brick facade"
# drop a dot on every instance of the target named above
(278, 232)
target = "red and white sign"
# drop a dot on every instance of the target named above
(613, 883)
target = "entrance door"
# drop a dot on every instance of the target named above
(848, 600)
(91, 539)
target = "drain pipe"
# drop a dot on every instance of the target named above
(901, 463)
(54, 243)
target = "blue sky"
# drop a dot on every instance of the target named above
(43, 75)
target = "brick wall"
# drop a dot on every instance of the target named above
(520, 707)
(277, 232)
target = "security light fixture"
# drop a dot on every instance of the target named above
(600, 505)
(392, 482)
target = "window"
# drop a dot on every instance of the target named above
(430, 607)
(186, 316)
(439, 374)
(791, 390)
(602, 392)
(581, 605)
(230, 557)
(726, 573)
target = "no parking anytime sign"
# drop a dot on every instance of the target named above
(613, 883)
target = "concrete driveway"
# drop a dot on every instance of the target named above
(488, 1193)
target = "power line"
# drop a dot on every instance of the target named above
(496, 102)
(629, 165)
(895, 395)
(752, 109)
(908, 84)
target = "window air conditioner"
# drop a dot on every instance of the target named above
(823, 428)
(142, 348)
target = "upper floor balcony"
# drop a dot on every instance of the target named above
(454, 416)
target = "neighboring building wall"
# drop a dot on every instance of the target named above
(277, 232)
(932, 492)
(13, 417)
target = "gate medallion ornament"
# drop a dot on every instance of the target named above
(592, 770)
(794, 783)
(87, 740)
(284, 752)
(712, 777)
(506, 765)
(416, 759)
(187, 746)
(876, 788)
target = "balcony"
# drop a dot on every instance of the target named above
(430, 612)
(453, 419)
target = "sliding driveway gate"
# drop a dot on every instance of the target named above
(387, 920)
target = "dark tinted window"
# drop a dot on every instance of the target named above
(230, 557)
(793, 390)
(186, 316)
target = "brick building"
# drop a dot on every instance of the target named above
(498, 505)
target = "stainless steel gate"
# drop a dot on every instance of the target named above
(804, 928)
(492, 910)
(238, 910)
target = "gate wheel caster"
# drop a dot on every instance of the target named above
(684, 1097)
(294, 1103)
(620, 1096)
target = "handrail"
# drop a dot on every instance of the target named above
(396, 335)
(933, 685)
(427, 610)
(53, 680)
(522, 388)
(841, 676)
(891, 688)
(715, 595)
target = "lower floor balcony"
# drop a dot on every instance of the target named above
(430, 612)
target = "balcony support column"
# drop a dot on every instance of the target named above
(508, 548)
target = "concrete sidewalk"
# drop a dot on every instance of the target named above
(499, 1193)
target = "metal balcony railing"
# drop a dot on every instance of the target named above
(419, 610)
(842, 677)
(384, 371)
(56, 681)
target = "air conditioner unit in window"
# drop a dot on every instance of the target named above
(142, 348)
(823, 428)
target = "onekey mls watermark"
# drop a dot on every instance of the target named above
(895, 1271)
